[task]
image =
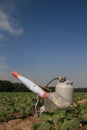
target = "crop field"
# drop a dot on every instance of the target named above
(15, 105)
(80, 95)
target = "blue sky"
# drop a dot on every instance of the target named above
(43, 39)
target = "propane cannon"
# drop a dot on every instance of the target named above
(61, 98)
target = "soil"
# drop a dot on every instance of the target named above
(26, 124)
(82, 101)
(19, 124)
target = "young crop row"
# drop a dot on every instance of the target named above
(80, 95)
(16, 105)
(13, 105)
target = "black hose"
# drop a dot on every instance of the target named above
(51, 82)
(46, 88)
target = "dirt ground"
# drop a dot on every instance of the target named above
(19, 124)
(26, 124)
(82, 101)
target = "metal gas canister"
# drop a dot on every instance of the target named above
(64, 89)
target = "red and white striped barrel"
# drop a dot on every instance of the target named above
(30, 85)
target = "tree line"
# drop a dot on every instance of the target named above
(7, 86)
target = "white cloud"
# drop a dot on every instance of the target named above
(6, 25)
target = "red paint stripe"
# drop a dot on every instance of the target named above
(15, 74)
(44, 96)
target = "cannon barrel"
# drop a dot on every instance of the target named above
(30, 85)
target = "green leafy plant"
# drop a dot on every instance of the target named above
(70, 125)
(41, 126)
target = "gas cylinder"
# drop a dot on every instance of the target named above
(64, 89)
